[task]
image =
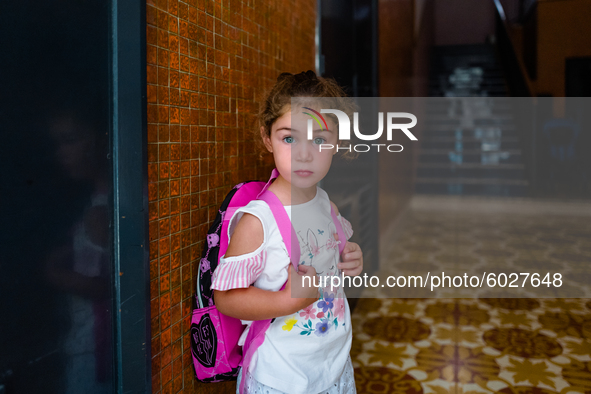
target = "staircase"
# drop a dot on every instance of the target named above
(469, 145)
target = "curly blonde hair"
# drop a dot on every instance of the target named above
(278, 101)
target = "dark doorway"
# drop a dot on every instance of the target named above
(348, 49)
(73, 280)
(578, 77)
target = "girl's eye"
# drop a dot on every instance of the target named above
(319, 141)
(288, 139)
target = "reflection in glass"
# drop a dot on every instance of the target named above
(81, 266)
(56, 251)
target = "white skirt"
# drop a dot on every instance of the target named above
(345, 384)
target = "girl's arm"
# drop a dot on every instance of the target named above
(253, 303)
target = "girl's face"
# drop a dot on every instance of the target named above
(300, 161)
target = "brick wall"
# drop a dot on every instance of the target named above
(208, 62)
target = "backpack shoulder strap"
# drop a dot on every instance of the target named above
(246, 192)
(285, 227)
(256, 333)
(340, 231)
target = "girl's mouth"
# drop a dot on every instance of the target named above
(303, 173)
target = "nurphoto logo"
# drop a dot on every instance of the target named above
(345, 129)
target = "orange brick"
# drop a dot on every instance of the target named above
(207, 63)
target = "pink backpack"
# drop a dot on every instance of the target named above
(214, 336)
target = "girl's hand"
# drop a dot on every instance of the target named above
(299, 290)
(351, 259)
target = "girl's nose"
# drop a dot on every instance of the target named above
(304, 151)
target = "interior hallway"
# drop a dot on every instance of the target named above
(479, 344)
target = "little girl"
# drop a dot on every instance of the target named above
(306, 348)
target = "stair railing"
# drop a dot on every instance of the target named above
(518, 79)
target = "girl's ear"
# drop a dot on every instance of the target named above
(266, 140)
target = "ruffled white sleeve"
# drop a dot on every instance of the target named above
(239, 271)
(347, 228)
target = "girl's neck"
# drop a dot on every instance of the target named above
(290, 195)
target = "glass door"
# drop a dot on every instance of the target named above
(73, 255)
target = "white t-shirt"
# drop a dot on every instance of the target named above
(307, 351)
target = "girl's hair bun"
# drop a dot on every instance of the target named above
(284, 76)
(311, 74)
(305, 76)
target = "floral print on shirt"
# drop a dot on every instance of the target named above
(319, 249)
(320, 317)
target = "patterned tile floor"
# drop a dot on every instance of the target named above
(478, 344)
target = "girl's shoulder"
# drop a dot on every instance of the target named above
(257, 210)
(325, 200)
(323, 193)
(252, 229)
(247, 230)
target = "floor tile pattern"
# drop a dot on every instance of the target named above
(472, 346)
(480, 344)
(474, 244)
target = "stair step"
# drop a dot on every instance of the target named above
(471, 170)
(489, 76)
(466, 131)
(450, 132)
(451, 157)
(443, 124)
(485, 94)
(496, 190)
(467, 139)
(467, 61)
(450, 145)
(473, 181)
(487, 80)
(443, 107)
(500, 166)
(464, 49)
(481, 88)
(452, 93)
(498, 101)
(434, 152)
(445, 144)
(441, 114)
(457, 118)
